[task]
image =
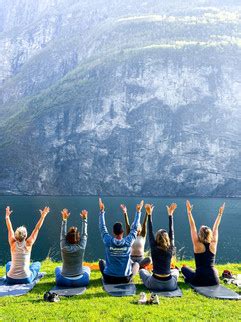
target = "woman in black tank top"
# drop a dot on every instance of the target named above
(205, 245)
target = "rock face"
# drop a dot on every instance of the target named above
(120, 100)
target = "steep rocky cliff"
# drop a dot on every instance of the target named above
(115, 99)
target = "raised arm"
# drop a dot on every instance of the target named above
(11, 238)
(65, 215)
(102, 226)
(31, 240)
(217, 223)
(194, 234)
(84, 235)
(149, 210)
(133, 232)
(144, 224)
(170, 211)
(124, 210)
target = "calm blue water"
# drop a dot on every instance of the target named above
(205, 211)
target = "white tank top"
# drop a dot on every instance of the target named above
(20, 261)
(137, 248)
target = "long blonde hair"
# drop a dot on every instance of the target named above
(205, 235)
(162, 239)
(20, 233)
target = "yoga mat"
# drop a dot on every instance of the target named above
(176, 293)
(216, 291)
(17, 289)
(68, 291)
(127, 289)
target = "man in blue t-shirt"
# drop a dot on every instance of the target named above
(118, 267)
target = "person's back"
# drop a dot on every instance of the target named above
(205, 247)
(138, 246)
(72, 245)
(161, 259)
(206, 274)
(205, 259)
(118, 265)
(117, 253)
(162, 279)
(72, 257)
(20, 261)
(19, 270)
(72, 254)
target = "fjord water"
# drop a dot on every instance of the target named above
(26, 212)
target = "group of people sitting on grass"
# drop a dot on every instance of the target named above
(124, 256)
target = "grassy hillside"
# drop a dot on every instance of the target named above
(96, 305)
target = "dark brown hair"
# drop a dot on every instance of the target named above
(163, 240)
(73, 235)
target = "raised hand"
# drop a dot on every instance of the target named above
(84, 214)
(189, 207)
(124, 209)
(139, 206)
(102, 206)
(65, 214)
(44, 212)
(221, 209)
(8, 211)
(171, 209)
(149, 209)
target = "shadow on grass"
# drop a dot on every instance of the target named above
(141, 288)
(95, 283)
(73, 298)
(91, 291)
(91, 295)
(183, 285)
(42, 287)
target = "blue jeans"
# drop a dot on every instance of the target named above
(34, 269)
(78, 281)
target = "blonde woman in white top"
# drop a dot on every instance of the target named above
(19, 270)
(138, 247)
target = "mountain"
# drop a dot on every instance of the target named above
(119, 98)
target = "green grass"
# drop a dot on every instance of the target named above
(96, 305)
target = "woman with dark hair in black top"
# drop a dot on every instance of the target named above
(205, 247)
(162, 246)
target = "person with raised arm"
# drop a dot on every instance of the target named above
(19, 270)
(118, 267)
(72, 245)
(205, 247)
(162, 246)
(138, 247)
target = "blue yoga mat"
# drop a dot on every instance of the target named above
(127, 289)
(176, 293)
(68, 291)
(217, 292)
(17, 289)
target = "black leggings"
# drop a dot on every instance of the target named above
(205, 276)
(113, 279)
